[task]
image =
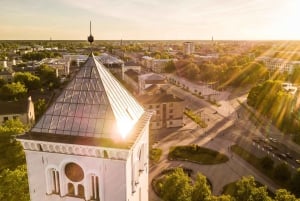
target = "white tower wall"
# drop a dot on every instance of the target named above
(110, 173)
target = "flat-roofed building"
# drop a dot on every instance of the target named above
(278, 64)
(188, 48)
(168, 108)
(22, 110)
(140, 82)
(7, 74)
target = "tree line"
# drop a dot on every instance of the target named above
(178, 186)
(274, 102)
(13, 174)
(25, 82)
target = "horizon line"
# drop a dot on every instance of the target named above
(214, 40)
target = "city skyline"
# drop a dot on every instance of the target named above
(150, 20)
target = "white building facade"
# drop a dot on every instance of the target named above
(188, 48)
(91, 144)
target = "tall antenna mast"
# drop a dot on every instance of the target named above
(90, 37)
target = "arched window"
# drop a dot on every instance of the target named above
(95, 187)
(74, 172)
(141, 158)
(80, 191)
(75, 175)
(54, 181)
(71, 190)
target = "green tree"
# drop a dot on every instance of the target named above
(12, 154)
(176, 186)
(260, 194)
(295, 76)
(12, 127)
(38, 56)
(267, 163)
(249, 74)
(13, 91)
(2, 82)
(29, 80)
(282, 172)
(246, 190)
(201, 190)
(220, 198)
(192, 71)
(284, 195)
(271, 100)
(295, 183)
(48, 76)
(14, 184)
(170, 67)
(39, 107)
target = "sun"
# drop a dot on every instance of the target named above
(124, 127)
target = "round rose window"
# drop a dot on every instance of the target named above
(74, 172)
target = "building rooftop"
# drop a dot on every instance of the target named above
(131, 63)
(158, 97)
(152, 76)
(109, 59)
(6, 71)
(92, 141)
(132, 74)
(13, 107)
(93, 105)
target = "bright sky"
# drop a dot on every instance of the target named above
(150, 19)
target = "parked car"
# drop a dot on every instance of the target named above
(256, 140)
(289, 155)
(282, 156)
(267, 147)
(273, 140)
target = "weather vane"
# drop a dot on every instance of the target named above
(91, 37)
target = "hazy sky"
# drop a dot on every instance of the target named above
(152, 19)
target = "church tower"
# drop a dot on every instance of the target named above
(91, 143)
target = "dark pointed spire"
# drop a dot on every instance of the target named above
(90, 37)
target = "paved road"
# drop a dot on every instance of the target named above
(226, 126)
(220, 174)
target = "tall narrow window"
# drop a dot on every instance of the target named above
(140, 194)
(55, 186)
(71, 190)
(95, 187)
(142, 160)
(80, 191)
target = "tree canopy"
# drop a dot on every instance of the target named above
(48, 76)
(11, 151)
(14, 184)
(38, 56)
(13, 91)
(13, 175)
(271, 100)
(177, 185)
(29, 80)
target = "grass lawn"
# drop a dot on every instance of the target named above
(196, 118)
(155, 154)
(255, 162)
(196, 154)
(250, 158)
